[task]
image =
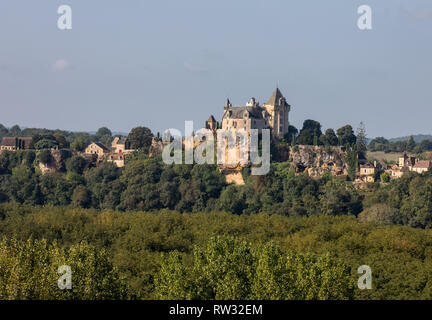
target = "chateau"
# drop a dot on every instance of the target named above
(271, 115)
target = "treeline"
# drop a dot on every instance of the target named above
(409, 145)
(209, 255)
(46, 138)
(151, 185)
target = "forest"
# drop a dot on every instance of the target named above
(156, 231)
(212, 255)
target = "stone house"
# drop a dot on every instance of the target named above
(118, 145)
(368, 172)
(117, 159)
(97, 148)
(421, 166)
(15, 143)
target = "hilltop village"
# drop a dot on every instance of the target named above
(308, 151)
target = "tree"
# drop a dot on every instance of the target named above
(3, 130)
(361, 140)
(291, 135)
(232, 269)
(140, 138)
(329, 138)
(103, 131)
(30, 271)
(76, 164)
(104, 136)
(61, 140)
(311, 131)
(352, 162)
(410, 145)
(380, 213)
(78, 145)
(44, 156)
(28, 157)
(15, 131)
(378, 144)
(385, 177)
(346, 136)
(81, 197)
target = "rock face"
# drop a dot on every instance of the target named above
(57, 162)
(317, 160)
(157, 147)
(234, 176)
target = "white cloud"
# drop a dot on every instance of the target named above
(195, 66)
(60, 65)
(420, 15)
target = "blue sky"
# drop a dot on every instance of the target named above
(158, 63)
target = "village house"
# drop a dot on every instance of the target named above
(15, 143)
(367, 172)
(118, 145)
(407, 164)
(117, 159)
(97, 148)
(421, 166)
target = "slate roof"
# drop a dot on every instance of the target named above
(274, 99)
(238, 112)
(102, 146)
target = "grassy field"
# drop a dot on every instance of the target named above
(381, 155)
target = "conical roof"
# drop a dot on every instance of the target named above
(274, 99)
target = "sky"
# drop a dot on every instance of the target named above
(159, 63)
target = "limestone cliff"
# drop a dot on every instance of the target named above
(317, 160)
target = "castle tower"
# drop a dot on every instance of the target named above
(278, 109)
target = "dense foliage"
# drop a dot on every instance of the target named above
(29, 270)
(138, 244)
(233, 269)
(409, 145)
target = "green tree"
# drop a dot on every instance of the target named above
(361, 140)
(410, 145)
(291, 135)
(44, 156)
(76, 164)
(329, 138)
(103, 131)
(81, 197)
(311, 131)
(229, 268)
(385, 177)
(78, 145)
(61, 140)
(346, 136)
(140, 138)
(15, 131)
(29, 271)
